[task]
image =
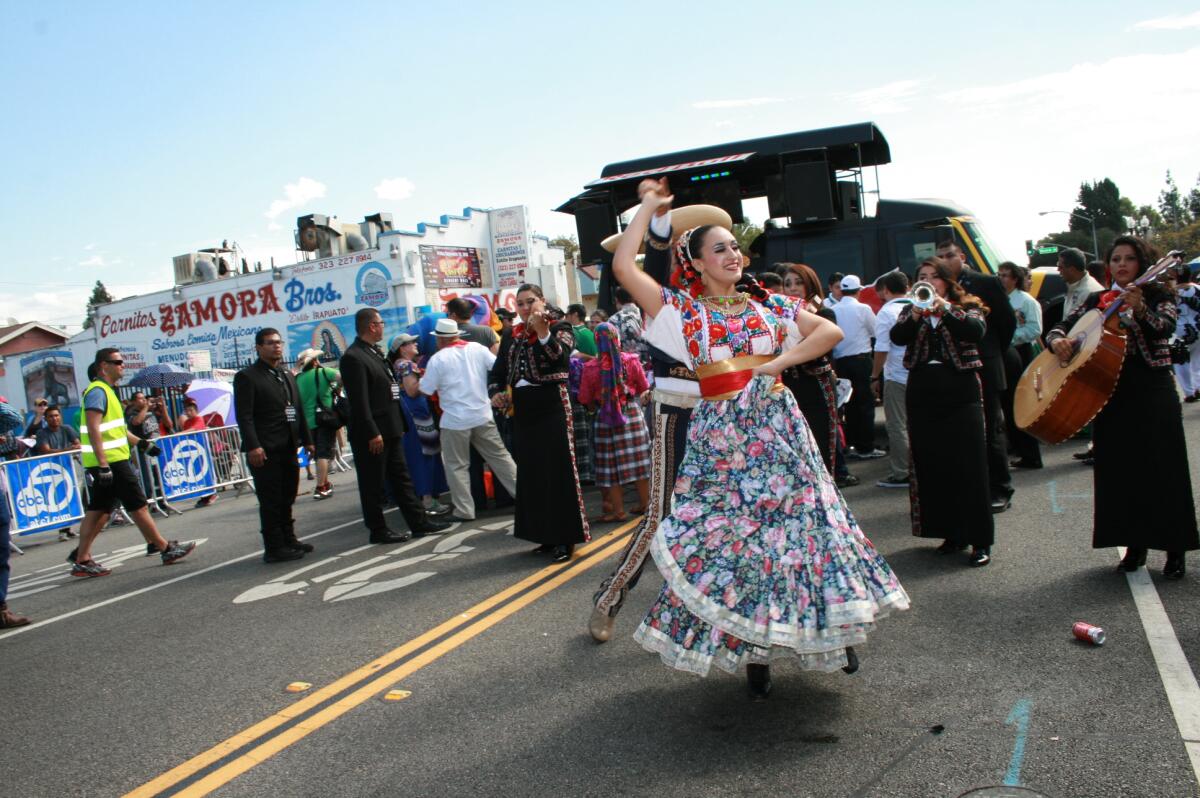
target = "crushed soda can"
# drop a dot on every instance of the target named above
(1087, 633)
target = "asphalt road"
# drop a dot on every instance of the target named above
(171, 680)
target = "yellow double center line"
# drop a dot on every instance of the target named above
(551, 578)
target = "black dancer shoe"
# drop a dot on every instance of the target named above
(980, 556)
(1001, 504)
(430, 527)
(1176, 567)
(851, 661)
(758, 679)
(545, 548)
(563, 553)
(951, 547)
(388, 536)
(1134, 559)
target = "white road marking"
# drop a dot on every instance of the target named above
(348, 569)
(1178, 680)
(148, 588)
(357, 576)
(22, 593)
(371, 588)
(365, 576)
(280, 586)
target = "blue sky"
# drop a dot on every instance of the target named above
(139, 131)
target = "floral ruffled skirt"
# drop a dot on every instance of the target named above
(762, 558)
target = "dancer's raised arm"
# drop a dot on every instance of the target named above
(644, 290)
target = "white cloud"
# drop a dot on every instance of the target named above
(724, 123)
(395, 188)
(65, 307)
(95, 260)
(89, 247)
(1169, 77)
(1014, 148)
(273, 226)
(1171, 22)
(296, 194)
(887, 99)
(744, 103)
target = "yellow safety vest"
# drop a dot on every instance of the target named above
(114, 437)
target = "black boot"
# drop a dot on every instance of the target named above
(275, 548)
(1176, 566)
(758, 679)
(290, 540)
(851, 661)
(1134, 559)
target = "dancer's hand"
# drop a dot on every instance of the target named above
(771, 368)
(656, 193)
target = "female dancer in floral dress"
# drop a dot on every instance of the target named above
(763, 560)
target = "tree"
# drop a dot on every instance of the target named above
(100, 296)
(1170, 203)
(1193, 201)
(1151, 213)
(1101, 202)
(569, 245)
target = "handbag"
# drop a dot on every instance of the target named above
(337, 415)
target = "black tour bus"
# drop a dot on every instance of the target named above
(813, 182)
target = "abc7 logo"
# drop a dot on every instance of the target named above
(187, 465)
(49, 488)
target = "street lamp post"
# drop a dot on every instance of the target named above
(1088, 219)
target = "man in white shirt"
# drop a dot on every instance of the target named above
(1072, 265)
(889, 378)
(458, 374)
(852, 361)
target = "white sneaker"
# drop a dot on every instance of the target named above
(874, 454)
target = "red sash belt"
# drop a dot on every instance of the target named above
(725, 378)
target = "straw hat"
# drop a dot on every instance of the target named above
(304, 357)
(682, 219)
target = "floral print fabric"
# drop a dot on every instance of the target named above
(762, 558)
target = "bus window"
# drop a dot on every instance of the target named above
(980, 240)
(912, 247)
(829, 255)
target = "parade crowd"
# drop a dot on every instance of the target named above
(728, 407)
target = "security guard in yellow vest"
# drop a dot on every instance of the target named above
(104, 441)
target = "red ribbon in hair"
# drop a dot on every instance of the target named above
(1107, 298)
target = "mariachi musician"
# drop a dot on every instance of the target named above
(1142, 485)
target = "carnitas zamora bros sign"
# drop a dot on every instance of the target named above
(175, 316)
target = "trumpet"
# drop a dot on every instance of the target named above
(922, 295)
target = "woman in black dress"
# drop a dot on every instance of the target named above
(813, 383)
(948, 486)
(1142, 485)
(533, 363)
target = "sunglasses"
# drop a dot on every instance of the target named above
(116, 362)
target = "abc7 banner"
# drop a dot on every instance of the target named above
(44, 493)
(186, 466)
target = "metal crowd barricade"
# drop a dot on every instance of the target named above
(229, 461)
(225, 456)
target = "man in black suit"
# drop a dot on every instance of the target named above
(377, 434)
(272, 426)
(1001, 324)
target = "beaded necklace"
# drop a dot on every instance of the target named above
(726, 304)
